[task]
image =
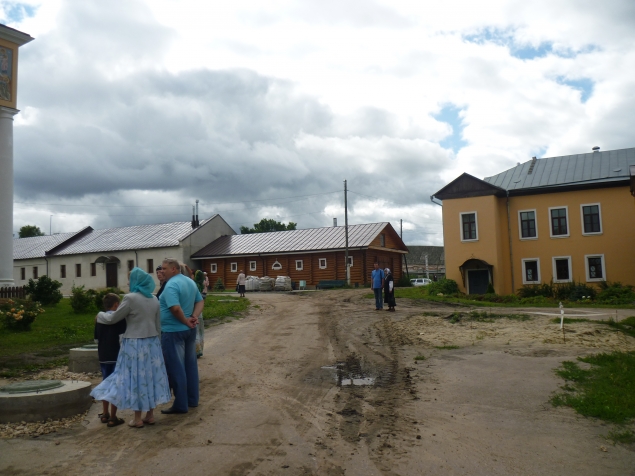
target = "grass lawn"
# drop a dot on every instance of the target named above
(420, 293)
(52, 334)
(224, 307)
(59, 329)
(606, 390)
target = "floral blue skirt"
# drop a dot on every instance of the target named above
(139, 381)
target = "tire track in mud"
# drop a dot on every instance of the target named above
(379, 413)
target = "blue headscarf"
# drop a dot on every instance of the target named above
(141, 282)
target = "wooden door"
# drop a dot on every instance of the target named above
(111, 275)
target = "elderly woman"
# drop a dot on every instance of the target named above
(139, 381)
(389, 291)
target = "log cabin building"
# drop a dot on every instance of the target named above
(311, 255)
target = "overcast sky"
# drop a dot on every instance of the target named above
(131, 110)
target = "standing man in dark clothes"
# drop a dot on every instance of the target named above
(161, 279)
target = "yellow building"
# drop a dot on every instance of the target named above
(557, 219)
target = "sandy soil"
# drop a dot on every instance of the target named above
(271, 403)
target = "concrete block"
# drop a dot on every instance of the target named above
(83, 360)
(70, 399)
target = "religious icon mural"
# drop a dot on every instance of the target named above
(6, 62)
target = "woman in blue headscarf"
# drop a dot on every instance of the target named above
(139, 381)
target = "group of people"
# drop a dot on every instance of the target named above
(382, 280)
(157, 351)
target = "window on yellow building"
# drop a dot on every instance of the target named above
(531, 271)
(469, 230)
(595, 268)
(562, 269)
(591, 219)
(559, 222)
(527, 219)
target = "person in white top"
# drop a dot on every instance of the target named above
(241, 283)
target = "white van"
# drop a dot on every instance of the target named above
(420, 281)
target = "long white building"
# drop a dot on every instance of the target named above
(102, 258)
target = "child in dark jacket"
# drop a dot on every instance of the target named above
(107, 338)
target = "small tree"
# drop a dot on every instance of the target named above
(82, 301)
(219, 286)
(44, 290)
(27, 231)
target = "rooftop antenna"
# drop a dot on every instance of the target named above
(193, 219)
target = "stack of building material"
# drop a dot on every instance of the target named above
(252, 283)
(266, 283)
(283, 283)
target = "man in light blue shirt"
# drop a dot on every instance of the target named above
(181, 308)
(377, 283)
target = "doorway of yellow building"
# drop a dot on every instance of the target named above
(477, 281)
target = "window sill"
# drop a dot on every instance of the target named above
(560, 281)
(560, 236)
(531, 282)
(593, 234)
(469, 241)
(595, 280)
(533, 238)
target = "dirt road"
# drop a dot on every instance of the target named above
(277, 399)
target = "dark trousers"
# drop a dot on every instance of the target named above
(179, 353)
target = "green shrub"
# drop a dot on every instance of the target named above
(443, 286)
(572, 291)
(404, 281)
(44, 290)
(219, 286)
(490, 289)
(536, 290)
(99, 296)
(615, 293)
(82, 301)
(19, 314)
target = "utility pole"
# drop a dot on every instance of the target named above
(404, 256)
(348, 269)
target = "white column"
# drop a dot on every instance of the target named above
(6, 195)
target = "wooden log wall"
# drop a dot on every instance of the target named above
(310, 272)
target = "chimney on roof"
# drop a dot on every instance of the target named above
(193, 219)
(198, 223)
(596, 149)
(334, 221)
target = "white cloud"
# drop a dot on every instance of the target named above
(242, 101)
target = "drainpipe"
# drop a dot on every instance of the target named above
(511, 254)
(136, 259)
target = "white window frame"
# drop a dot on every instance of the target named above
(299, 265)
(322, 260)
(253, 266)
(566, 207)
(213, 268)
(276, 266)
(350, 261)
(582, 219)
(234, 267)
(461, 225)
(538, 280)
(586, 268)
(520, 225)
(555, 274)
